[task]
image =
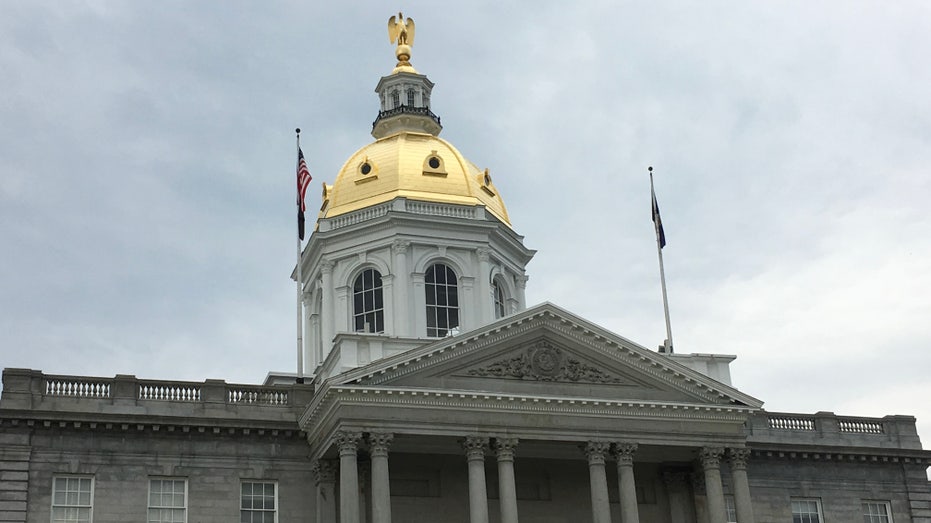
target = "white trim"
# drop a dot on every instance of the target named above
(89, 506)
(273, 483)
(150, 506)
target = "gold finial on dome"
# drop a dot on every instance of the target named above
(402, 32)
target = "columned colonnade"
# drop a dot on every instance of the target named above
(351, 506)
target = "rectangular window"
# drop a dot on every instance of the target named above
(259, 502)
(167, 501)
(806, 510)
(731, 508)
(72, 499)
(877, 512)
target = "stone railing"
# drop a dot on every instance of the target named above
(826, 428)
(439, 209)
(34, 391)
(359, 216)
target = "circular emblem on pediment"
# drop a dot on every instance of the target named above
(546, 362)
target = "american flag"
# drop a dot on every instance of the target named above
(303, 180)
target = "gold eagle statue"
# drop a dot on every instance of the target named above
(401, 31)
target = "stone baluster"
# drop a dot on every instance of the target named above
(348, 443)
(737, 458)
(381, 491)
(507, 491)
(624, 453)
(595, 452)
(478, 494)
(711, 463)
(325, 480)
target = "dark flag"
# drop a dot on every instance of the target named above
(303, 180)
(657, 221)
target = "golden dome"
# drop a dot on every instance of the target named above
(416, 166)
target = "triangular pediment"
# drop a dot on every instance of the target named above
(548, 352)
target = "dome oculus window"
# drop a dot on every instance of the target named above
(367, 171)
(368, 305)
(442, 293)
(433, 165)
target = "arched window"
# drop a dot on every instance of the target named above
(368, 306)
(410, 97)
(499, 299)
(395, 99)
(442, 291)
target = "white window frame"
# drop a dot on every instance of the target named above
(375, 292)
(870, 517)
(730, 509)
(60, 512)
(806, 517)
(242, 507)
(499, 300)
(150, 507)
(445, 310)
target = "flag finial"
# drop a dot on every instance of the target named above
(298, 131)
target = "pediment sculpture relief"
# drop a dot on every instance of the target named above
(544, 362)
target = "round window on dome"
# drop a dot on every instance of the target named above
(366, 168)
(487, 179)
(434, 162)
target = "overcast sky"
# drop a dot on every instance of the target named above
(147, 173)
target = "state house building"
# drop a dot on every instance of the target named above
(434, 394)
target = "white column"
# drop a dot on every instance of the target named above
(737, 458)
(348, 444)
(381, 490)
(711, 463)
(402, 305)
(486, 300)
(507, 490)
(325, 480)
(624, 453)
(328, 309)
(521, 281)
(478, 495)
(595, 452)
(419, 305)
(308, 328)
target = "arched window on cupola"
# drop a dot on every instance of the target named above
(441, 285)
(368, 305)
(499, 298)
(410, 98)
(395, 99)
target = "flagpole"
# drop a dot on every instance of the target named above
(667, 345)
(300, 282)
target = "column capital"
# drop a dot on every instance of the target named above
(738, 457)
(521, 280)
(484, 254)
(475, 447)
(505, 448)
(379, 442)
(711, 457)
(624, 452)
(595, 451)
(324, 471)
(326, 267)
(347, 442)
(400, 246)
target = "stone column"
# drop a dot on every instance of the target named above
(595, 452)
(325, 480)
(381, 491)
(737, 458)
(327, 309)
(486, 300)
(521, 281)
(624, 453)
(474, 447)
(677, 490)
(711, 462)
(348, 444)
(402, 306)
(507, 491)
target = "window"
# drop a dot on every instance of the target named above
(731, 508)
(395, 99)
(72, 499)
(499, 299)
(410, 97)
(368, 302)
(167, 501)
(258, 503)
(806, 511)
(442, 300)
(877, 512)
